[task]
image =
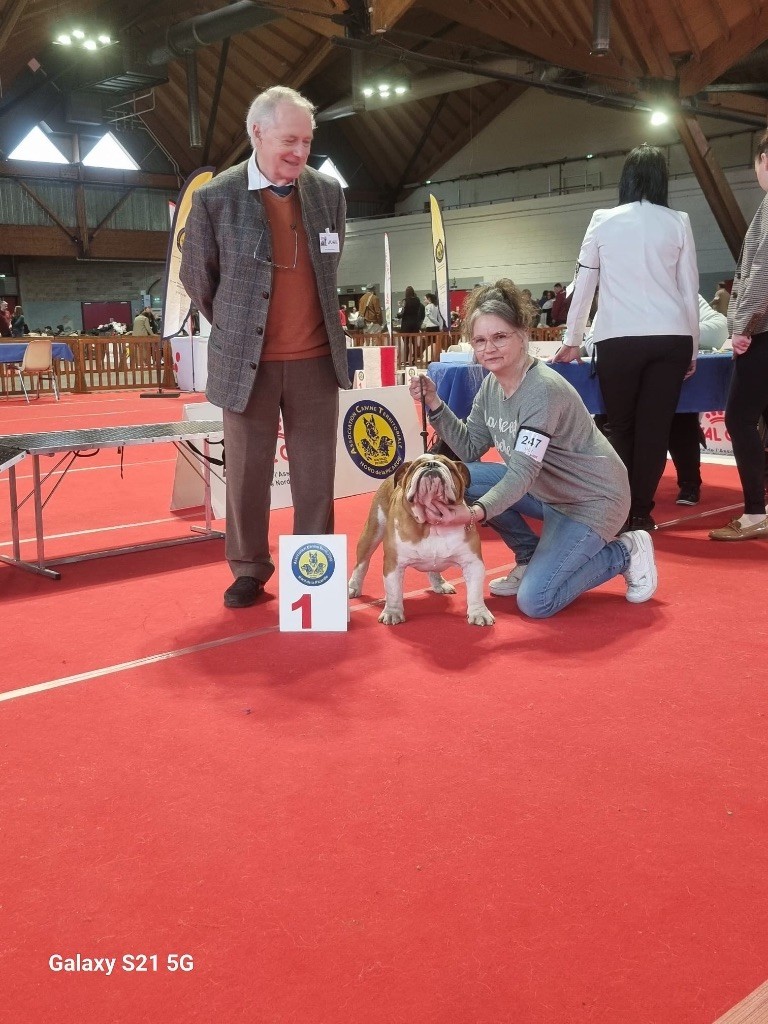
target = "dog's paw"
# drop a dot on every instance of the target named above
(439, 585)
(391, 617)
(480, 617)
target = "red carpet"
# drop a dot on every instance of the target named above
(536, 823)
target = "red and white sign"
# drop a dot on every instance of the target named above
(718, 438)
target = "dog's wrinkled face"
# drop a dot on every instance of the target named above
(433, 478)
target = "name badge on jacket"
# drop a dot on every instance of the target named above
(329, 241)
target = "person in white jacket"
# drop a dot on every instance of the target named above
(684, 433)
(643, 255)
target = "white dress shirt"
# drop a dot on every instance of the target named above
(645, 260)
(257, 180)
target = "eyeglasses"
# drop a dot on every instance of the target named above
(271, 263)
(499, 340)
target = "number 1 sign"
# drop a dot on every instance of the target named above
(313, 584)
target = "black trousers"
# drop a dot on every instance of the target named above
(747, 402)
(640, 380)
(685, 448)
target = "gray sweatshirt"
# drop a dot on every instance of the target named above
(550, 445)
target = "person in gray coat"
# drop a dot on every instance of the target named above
(260, 257)
(748, 396)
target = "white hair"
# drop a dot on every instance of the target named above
(263, 110)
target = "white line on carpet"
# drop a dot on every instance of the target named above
(153, 659)
(106, 529)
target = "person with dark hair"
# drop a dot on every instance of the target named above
(748, 397)
(433, 318)
(19, 325)
(556, 467)
(559, 312)
(643, 255)
(413, 312)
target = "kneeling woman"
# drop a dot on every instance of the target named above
(557, 467)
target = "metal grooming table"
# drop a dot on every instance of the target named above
(71, 444)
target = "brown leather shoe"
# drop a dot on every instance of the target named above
(243, 592)
(735, 531)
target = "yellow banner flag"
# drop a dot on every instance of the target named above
(440, 254)
(176, 302)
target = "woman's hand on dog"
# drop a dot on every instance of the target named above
(438, 513)
(423, 385)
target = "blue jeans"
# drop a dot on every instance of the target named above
(568, 559)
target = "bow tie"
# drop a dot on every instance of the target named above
(281, 190)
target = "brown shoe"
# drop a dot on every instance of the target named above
(735, 531)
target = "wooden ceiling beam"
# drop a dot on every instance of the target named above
(32, 171)
(544, 18)
(372, 156)
(714, 184)
(320, 26)
(685, 28)
(579, 18)
(309, 64)
(386, 13)
(720, 18)
(11, 14)
(481, 119)
(716, 59)
(642, 26)
(738, 103)
(528, 40)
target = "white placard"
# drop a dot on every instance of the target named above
(190, 362)
(312, 575)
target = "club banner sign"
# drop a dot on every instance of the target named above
(440, 255)
(176, 302)
(378, 431)
(387, 287)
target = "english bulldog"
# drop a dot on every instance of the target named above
(397, 516)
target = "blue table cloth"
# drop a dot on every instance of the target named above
(707, 389)
(11, 352)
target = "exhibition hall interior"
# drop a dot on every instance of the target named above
(388, 777)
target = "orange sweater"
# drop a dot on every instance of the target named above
(295, 327)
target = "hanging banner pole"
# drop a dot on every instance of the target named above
(440, 254)
(387, 287)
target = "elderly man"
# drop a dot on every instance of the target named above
(262, 246)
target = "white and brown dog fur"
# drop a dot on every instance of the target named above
(397, 516)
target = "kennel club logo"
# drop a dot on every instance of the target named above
(374, 439)
(313, 564)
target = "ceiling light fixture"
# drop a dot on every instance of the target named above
(383, 89)
(659, 117)
(95, 40)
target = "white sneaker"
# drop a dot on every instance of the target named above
(641, 576)
(508, 586)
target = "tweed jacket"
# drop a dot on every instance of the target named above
(231, 289)
(748, 308)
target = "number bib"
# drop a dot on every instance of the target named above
(532, 443)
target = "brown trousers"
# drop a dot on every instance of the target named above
(306, 391)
